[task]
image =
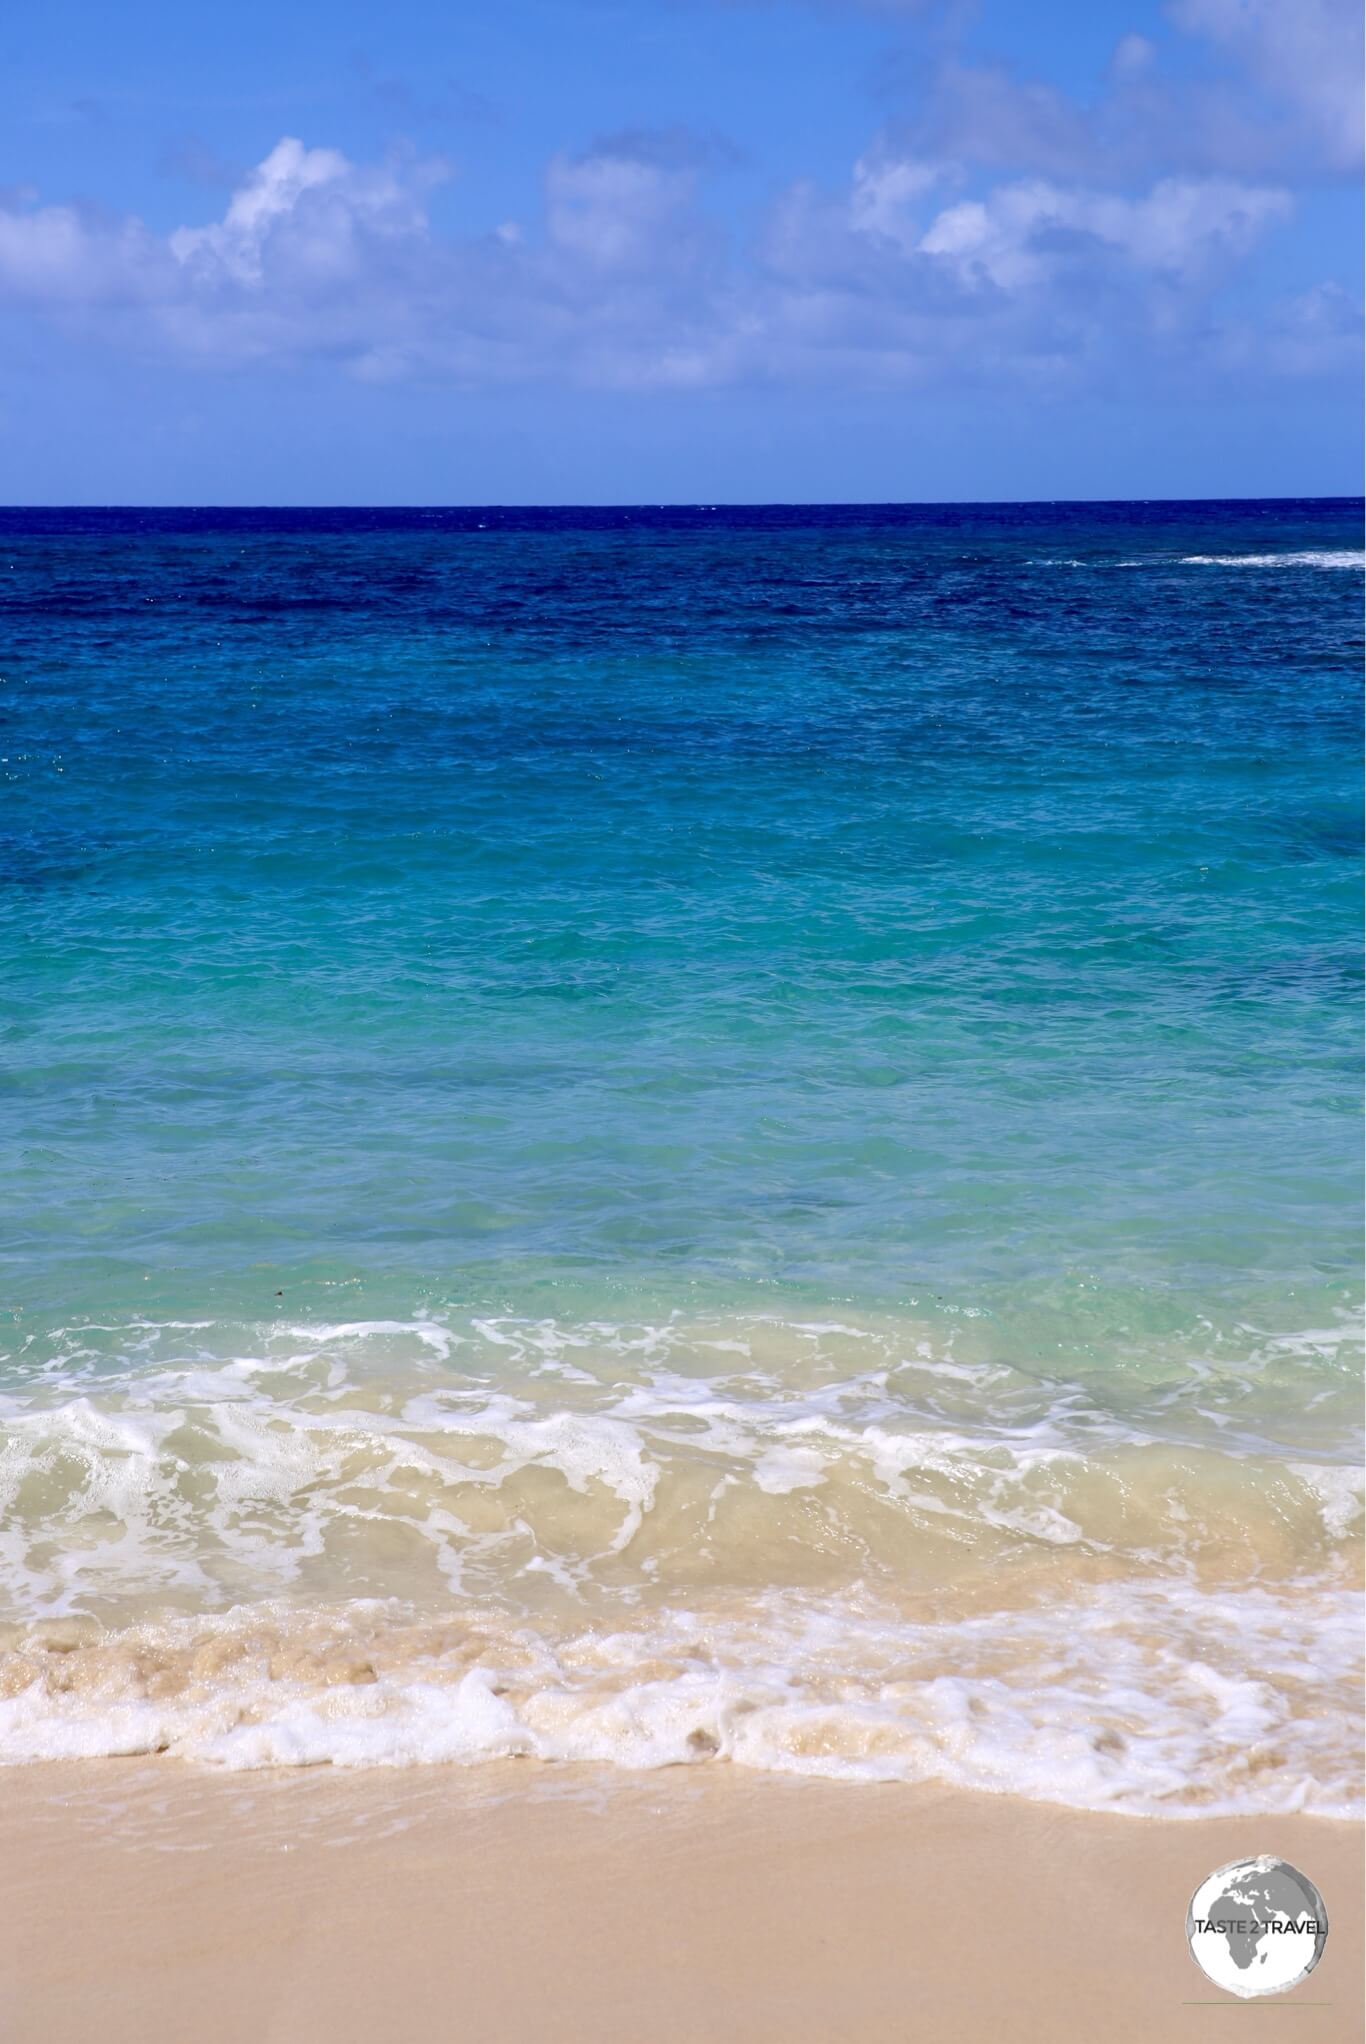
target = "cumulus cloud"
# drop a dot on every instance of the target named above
(900, 274)
(1024, 234)
(308, 209)
(905, 276)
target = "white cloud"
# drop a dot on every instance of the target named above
(886, 196)
(1023, 234)
(611, 210)
(1133, 56)
(234, 244)
(1283, 99)
(60, 255)
(1309, 336)
(1307, 53)
(909, 272)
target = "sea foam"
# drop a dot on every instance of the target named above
(1169, 1700)
(820, 1547)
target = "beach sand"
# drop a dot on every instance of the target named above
(148, 1901)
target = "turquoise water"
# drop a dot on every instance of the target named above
(513, 932)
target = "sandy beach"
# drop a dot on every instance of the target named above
(159, 1903)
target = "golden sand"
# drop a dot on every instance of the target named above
(155, 1903)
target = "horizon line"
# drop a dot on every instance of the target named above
(700, 504)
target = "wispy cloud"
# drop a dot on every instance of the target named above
(1304, 54)
(1284, 100)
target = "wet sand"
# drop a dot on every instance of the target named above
(155, 1902)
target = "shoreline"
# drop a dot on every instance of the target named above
(166, 1903)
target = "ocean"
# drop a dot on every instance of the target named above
(666, 1136)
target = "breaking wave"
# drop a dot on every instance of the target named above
(825, 1548)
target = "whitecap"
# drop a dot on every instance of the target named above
(1315, 557)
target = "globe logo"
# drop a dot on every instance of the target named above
(1257, 1926)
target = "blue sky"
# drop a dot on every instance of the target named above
(679, 250)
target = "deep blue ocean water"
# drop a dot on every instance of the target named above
(940, 921)
(495, 907)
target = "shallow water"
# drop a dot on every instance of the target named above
(662, 1136)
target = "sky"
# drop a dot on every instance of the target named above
(648, 251)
